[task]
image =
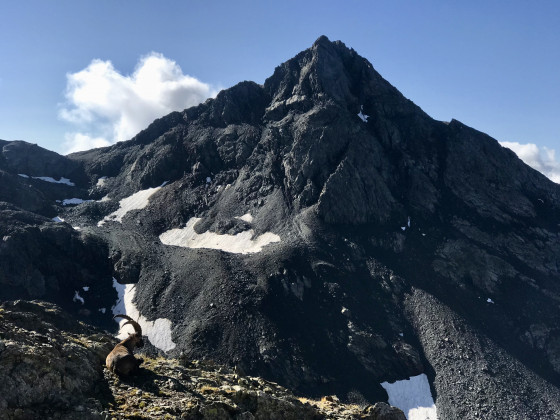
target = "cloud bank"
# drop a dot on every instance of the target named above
(107, 107)
(542, 159)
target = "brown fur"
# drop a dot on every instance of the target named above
(121, 360)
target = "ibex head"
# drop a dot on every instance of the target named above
(134, 340)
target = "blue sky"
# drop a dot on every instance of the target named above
(494, 65)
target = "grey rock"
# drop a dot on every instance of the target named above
(382, 411)
(49, 363)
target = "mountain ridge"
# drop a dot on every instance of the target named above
(385, 217)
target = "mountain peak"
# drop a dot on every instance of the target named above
(325, 71)
(323, 39)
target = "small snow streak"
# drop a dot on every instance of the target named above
(73, 201)
(361, 114)
(62, 180)
(77, 297)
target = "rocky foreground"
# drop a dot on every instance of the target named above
(52, 367)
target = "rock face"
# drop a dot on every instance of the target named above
(22, 165)
(50, 260)
(50, 363)
(317, 229)
(52, 367)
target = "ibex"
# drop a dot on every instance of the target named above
(121, 360)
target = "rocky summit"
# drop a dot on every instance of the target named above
(319, 231)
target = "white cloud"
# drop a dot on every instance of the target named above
(107, 106)
(542, 159)
(75, 142)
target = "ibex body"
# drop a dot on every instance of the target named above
(121, 360)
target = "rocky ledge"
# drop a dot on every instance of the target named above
(52, 366)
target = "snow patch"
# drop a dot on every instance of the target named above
(62, 180)
(136, 201)
(77, 297)
(86, 288)
(158, 331)
(57, 219)
(101, 181)
(102, 310)
(489, 300)
(246, 218)
(413, 397)
(361, 114)
(242, 243)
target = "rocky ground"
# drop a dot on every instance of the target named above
(170, 388)
(51, 367)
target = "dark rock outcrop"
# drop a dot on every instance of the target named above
(22, 165)
(43, 259)
(50, 365)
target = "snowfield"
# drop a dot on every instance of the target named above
(242, 243)
(158, 331)
(413, 397)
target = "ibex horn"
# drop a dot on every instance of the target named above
(130, 321)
